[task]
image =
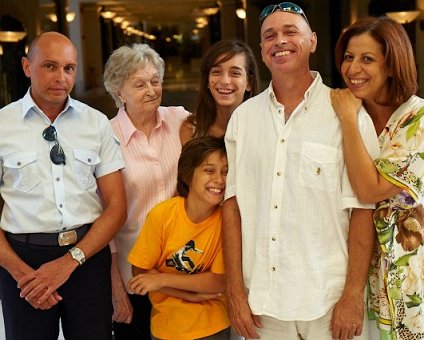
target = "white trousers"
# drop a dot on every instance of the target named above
(318, 329)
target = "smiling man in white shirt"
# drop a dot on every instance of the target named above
(297, 243)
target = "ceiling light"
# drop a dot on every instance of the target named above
(52, 17)
(202, 21)
(107, 14)
(70, 16)
(403, 17)
(211, 10)
(241, 13)
(118, 20)
(11, 36)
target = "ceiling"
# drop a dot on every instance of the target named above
(155, 12)
(159, 11)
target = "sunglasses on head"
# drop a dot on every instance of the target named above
(57, 155)
(285, 7)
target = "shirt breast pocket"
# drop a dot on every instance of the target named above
(22, 170)
(319, 166)
(84, 165)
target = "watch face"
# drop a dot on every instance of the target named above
(78, 255)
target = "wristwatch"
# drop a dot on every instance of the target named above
(78, 255)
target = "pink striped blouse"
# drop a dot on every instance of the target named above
(150, 173)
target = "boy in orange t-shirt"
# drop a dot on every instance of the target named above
(177, 257)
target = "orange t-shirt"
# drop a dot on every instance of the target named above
(171, 243)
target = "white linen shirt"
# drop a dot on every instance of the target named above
(294, 196)
(39, 195)
(150, 175)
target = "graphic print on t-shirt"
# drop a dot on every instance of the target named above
(182, 261)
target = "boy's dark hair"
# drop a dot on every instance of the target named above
(192, 155)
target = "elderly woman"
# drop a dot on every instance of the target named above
(150, 144)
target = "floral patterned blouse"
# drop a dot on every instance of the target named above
(397, 270)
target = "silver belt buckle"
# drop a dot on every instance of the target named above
(67, 237)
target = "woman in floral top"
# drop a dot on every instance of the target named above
(376, 61)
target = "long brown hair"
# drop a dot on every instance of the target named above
(397, 51)
(205, 109)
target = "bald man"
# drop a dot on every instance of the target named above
(64, 200)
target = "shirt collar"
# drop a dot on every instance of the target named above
(309, 93)
(127, 127)
(28, 105)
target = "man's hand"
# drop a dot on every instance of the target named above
(242, 319)
(51, 301)
(348, 316)
(122, 308)
(39, 285)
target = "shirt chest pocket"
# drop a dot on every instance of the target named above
(21, 169)
(84, 166)
(320, 166)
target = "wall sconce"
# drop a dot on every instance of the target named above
(210, 10)
(125, 24)
(241, 13)
(1, 50)
(201, 22)
(118, 20)
(11, 36)
(403, 17)
(70, 16)
(107, 14)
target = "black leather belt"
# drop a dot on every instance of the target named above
(63, 238)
